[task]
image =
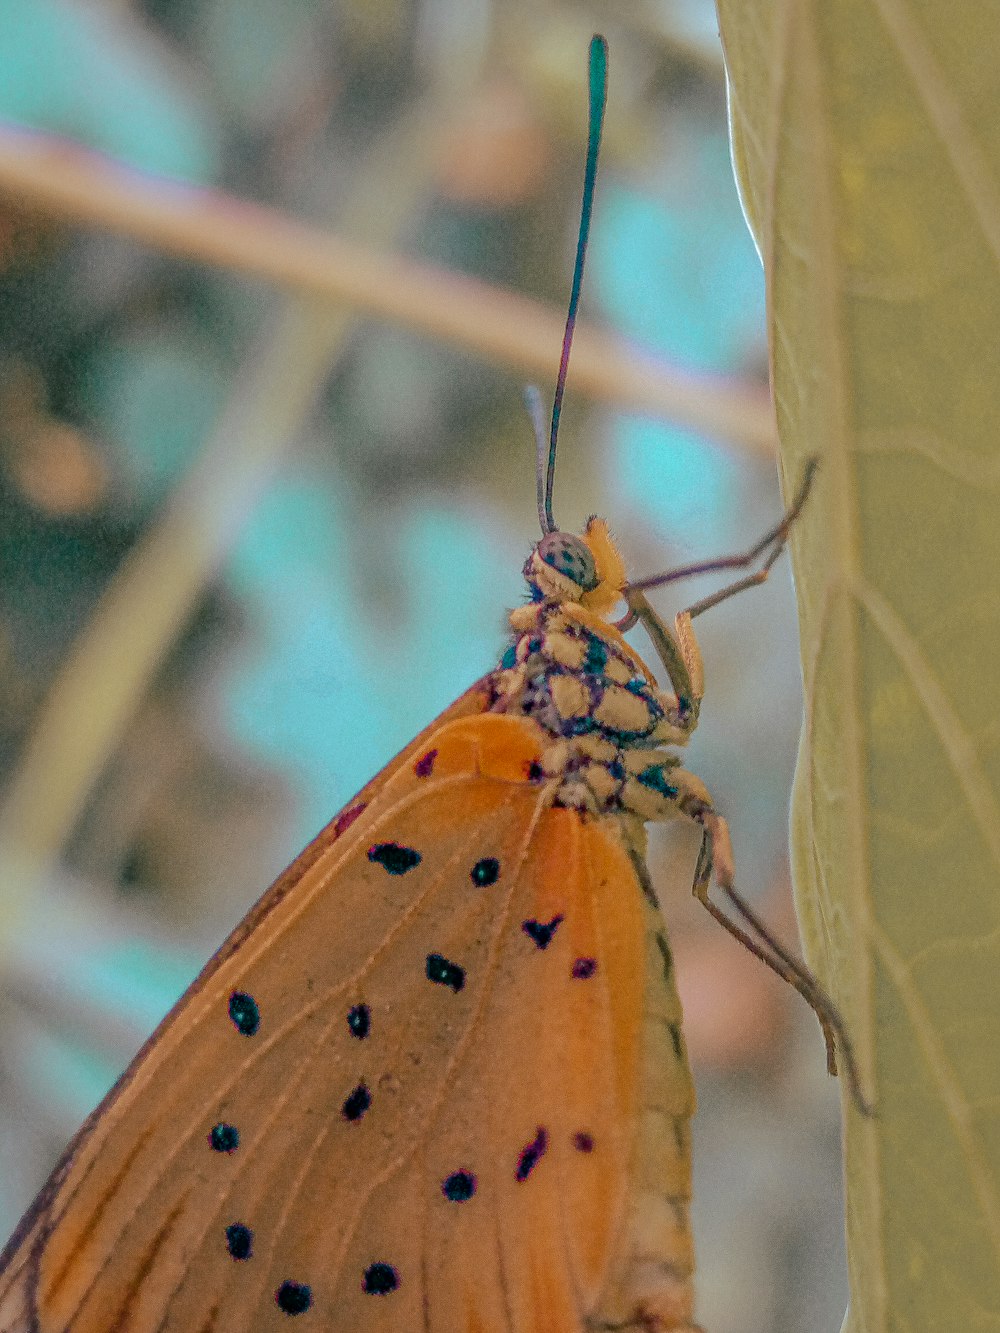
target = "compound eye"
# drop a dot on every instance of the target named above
(570, 557)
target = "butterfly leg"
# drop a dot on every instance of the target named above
(680, 654)
(716, 856)
(678, 648)
(776, 540)
(772, 543)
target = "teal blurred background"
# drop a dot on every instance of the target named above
(364, 575)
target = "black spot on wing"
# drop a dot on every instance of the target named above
(531, 1154)
(293, 1298)
(444, 972)
(459, 1187)
(347, 817)
(224, 1138)
(485, 872)
(356, 1103)
(359, 1021)
(379, 1279)
(239, 1240)
(542, 931)
(394, 858)
(244, 1013)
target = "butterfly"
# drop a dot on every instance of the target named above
(436, 1079)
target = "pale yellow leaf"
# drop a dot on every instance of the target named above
(867, 142)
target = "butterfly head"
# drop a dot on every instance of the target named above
(586, 569)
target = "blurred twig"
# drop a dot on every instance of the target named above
(83, 188)
(108, 668)
(146, 604)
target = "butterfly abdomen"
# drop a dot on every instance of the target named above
(649, 1285)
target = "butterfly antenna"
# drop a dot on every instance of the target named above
(598, 101)
(536, 413)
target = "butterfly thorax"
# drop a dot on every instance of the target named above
(570, 671)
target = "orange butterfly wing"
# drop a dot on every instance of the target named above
(17, 1275)
(420, 1087)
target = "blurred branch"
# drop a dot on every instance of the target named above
(83, 188)
(109, 666)
(145, 606)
